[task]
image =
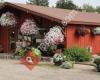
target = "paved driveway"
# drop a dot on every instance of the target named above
(13, 70)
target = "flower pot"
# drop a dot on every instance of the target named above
(58, 63)
(67, 65)
(98, 67)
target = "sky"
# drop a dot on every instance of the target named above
(77, 2)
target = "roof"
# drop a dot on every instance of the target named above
(58, 15)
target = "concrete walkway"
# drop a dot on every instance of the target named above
(13, 70)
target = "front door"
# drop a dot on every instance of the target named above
(12, 40)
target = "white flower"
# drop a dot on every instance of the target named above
(29, 27)
(8, 19)
(54, 36)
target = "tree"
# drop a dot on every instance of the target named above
(38, 2)
(1, 2)
(66, 4)
(88, 8)
(98, 9)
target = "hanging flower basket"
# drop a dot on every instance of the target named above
(54, 36)
(51, 39)
(82, 31)
(96, 31)
(29, 27)
(8, 19)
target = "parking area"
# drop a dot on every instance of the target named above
(13, 70)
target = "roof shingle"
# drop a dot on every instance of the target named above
(59, 14)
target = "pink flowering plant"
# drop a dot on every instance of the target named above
(29, 27)
(54, 36)
(8, 19)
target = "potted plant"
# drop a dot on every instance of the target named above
(96, 31)
(67, 65)
(97, 62)
(8, 19)
(82, 31)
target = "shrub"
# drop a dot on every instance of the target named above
(77, 54)
(97, 62)
(67, 65)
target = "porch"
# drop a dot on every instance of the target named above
(9, 35)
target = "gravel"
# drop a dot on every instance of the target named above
(13, 70)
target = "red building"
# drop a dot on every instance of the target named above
(82, 30)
